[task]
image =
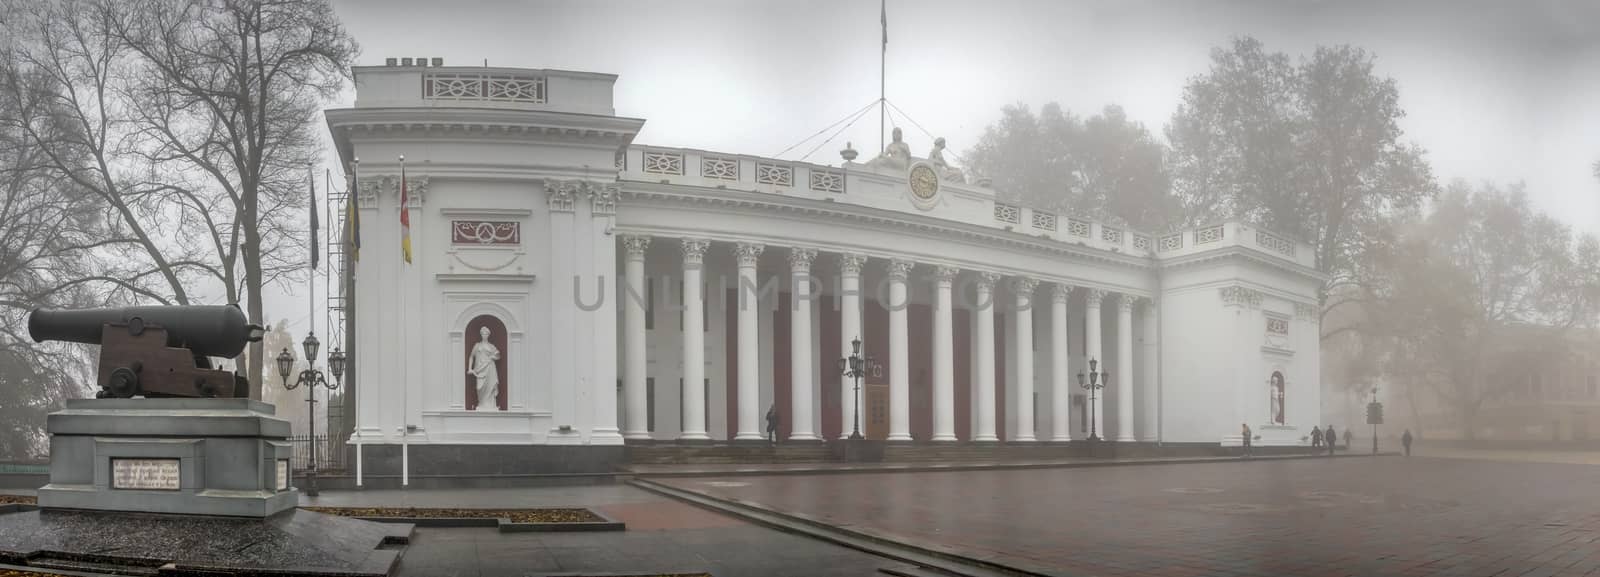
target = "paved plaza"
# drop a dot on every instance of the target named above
(1309, 517)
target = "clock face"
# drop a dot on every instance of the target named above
(924, 182)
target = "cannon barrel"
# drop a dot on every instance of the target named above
(213, 331)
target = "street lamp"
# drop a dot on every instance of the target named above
(856, 366)
(311, 379)
(1097, 380)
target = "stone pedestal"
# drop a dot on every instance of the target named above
(227, 457)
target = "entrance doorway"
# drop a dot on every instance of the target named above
(875, 415)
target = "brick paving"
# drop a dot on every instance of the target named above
(1335, 517)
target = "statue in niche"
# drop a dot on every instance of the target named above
(947, 172)
(896, 155)
(1277, 398)
(481, 364)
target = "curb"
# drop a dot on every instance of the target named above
(505, 525)
(753, 471)
(951, 562)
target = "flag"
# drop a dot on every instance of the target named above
(314, 227)
(405, 215)
(884, 19)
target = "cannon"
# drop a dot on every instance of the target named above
(155, 351)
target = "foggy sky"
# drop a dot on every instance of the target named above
(1503, 91)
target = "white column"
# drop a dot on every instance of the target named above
(985, 312)
(1124, 381)
(635, 363)
(899, 353)
(749, 362)
(1152, 396)
(801, 426)
(1023, 287)
(849, 330)
(1060, 366)
(694, 348)
(1091, 320)
(944, 352)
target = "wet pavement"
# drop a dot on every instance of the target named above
(1359, 517)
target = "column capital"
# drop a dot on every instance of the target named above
(850, 263)
(603, 197)
(1024, 286)
(944, 273)
(1060, 292)
(899, 269)
(694, 252)
(1093, 297)
(1126, 301)
(635, 245)
(748, 253)
(986, 280)
(560, 194)
(800, 259)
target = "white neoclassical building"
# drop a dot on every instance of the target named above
(614, 291)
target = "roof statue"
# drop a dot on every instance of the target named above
(936, 156)
(896, 155)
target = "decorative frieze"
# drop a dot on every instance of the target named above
(1209, 234)
(1141, 242)
(1078, 227)
(827, 181)
(662, 162)
(748, 254)
(1007, 213)
(485, 232)
(1170, 242)
(1238, 296)
(774, 174)
(719, 168)
(694, 252)
(1111, 235)
(1274, 243)
(1044, 220)
(1277, 325)
(491, 87)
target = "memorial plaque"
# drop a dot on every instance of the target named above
(283, 474)
(149, 474)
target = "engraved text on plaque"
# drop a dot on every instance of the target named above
(157, 474)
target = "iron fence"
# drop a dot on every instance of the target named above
(330, 452)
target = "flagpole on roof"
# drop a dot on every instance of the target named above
(883, 55)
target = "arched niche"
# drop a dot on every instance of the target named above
(1277, 391)
(498, 338)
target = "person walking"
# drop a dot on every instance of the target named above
(772, 424)
(1348, 438)
(1405, 441)
(1316, 439)
(1244, 430)
(1333, 439)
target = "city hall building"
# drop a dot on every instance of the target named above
(571, 291)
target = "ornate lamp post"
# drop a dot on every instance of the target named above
(856, 366)
(311, 379)
(1097, 380)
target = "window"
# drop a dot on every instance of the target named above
(650, 404)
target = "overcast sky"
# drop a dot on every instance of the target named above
(1504, 91)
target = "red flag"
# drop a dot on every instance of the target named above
(405, 215)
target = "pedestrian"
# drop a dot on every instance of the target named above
(1332, 438)
(1316, 438)
(1245, 435)
(1405, 441)
(772, 424)
(1348, 438)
